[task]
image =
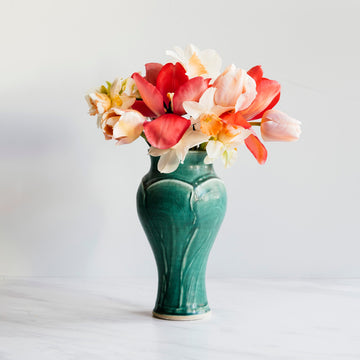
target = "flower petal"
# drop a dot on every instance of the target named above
(152, 72)
(195, 67)
(166, 131)
(235, 119)
(126, 101)
(205, 105)
(207, 99)
(246, 98)
(177, 54)
(141, 107)
(193, 138)
(235, 88)
(190, 139)
(205, 63)
(267, 91)
(129, 127)
(214, 149)
(256, 73)
(278, 126)
(99, 103)
(193, 108)
(229, 156)
(115, 87)
(208, 160)
(212, 62)
(170, 78)
(153, 151)
(150, 94)
(271, 105)
(130, 87)
(253, 143)
(168, 162)
(191, 90)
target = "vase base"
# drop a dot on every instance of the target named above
(181, 317)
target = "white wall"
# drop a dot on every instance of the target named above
(68, 197)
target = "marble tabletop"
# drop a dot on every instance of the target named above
(67, 318)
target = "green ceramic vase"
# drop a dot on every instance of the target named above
(181, 214)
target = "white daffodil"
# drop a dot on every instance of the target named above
(122, 93)
(206, 63)
(128, 87)
(216, 149)
(226, 144)
(98, 102)
(224, 137)
(206, 113)
(171, 158)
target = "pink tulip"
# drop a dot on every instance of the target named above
(277, 126)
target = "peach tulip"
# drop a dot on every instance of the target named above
(129, 127)
(277, 126)
(123, 126)
(235, 88)
(108, 121)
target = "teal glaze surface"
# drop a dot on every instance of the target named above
(181, 214)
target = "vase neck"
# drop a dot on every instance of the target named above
(190, 171)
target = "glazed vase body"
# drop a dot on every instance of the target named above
(181, 214)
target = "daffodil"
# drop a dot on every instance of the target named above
(210, 119)
(226, 144)
(206, 63)
(206, 113)
(98, 102)
(122, 93)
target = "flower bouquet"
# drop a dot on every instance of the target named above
(189, 114)
(188, 105)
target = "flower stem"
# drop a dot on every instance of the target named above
(255, 123)
(144, 137)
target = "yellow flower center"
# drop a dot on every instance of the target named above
(116, 100)
(210, 124)
(196, 65)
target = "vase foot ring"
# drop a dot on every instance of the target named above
(182, 317)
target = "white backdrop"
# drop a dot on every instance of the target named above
(68, 197)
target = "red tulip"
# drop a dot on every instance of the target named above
(166, 131)
(164, 90)
(268, 95)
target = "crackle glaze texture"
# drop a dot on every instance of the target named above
(181, 214)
